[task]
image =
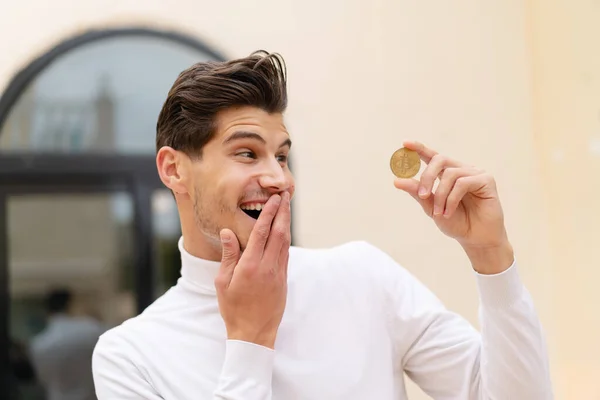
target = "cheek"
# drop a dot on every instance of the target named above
(232, 188)
(292, 185)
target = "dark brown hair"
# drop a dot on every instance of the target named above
(187, 119)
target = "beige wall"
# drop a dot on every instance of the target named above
(506, 85)
(566, 81)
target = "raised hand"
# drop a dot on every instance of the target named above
(252, 289)
(465, 206)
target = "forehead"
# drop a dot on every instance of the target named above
(250, 119)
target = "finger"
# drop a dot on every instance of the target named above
(423, 151)
(411, 186)
(427, 154)
(284, 254)
(284, 258)
(229, 259)
(445, 187)
(260, 233)
(280, 236)
(462, 186)
(435, 167)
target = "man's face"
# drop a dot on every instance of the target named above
(240, 168)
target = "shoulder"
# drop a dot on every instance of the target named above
(337, 251)
(117, 360)
(353, 259)
(88, 326)
(125, 339)
(38, 342)
(358, 252)
(357, 262)
(116, 342)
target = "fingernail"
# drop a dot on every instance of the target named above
(225, 237)
(437, 210)
(422, 191)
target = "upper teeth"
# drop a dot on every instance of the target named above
(255, 206)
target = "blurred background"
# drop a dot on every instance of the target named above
(511, 86)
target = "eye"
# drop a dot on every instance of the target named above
(282, 158)
(246, 154)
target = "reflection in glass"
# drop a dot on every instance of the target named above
(166, 232)
(103, 97)
(81, 243)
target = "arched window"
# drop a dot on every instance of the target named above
(81, 205)
(99, 93)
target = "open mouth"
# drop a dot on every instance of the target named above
(252, 210)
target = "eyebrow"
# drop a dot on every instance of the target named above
(239, 135)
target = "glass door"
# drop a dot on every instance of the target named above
(71, 275)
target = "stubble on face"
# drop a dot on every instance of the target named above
(207, 213)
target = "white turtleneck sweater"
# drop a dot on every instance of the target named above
(354, 322)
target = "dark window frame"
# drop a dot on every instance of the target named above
(55, 173)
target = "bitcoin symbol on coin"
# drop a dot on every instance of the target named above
(405, 163)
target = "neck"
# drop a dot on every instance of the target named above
(199, 244)
(198, 274)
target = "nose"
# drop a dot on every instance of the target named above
(274, 177)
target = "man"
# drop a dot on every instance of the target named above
(62, 353)
(252, 318)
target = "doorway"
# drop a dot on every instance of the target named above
(106, 232)
(81, 205)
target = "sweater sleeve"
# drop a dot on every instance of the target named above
(246, 373)
(448, 358)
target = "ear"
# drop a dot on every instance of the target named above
(173, 169)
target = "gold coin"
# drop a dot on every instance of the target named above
(405, 163)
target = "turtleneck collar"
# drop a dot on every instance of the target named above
(198, 272)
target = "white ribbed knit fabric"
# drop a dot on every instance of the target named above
(355, 321)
